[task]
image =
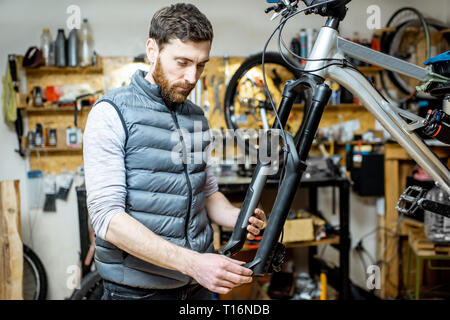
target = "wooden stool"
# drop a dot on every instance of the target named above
(423, 250)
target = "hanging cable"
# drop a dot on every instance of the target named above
(283, 21)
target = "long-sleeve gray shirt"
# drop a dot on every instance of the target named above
(104, 167)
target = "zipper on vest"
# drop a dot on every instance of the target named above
(188, 181)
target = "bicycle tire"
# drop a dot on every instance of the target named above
(249, 63)
(389, 41)
(91, 287)
(34, 288)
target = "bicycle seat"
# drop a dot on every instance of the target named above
(440, 64)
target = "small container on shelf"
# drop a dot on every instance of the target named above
(46, 40)
(52, 137)
(61, 53)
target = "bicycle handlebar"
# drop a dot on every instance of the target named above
(325, 8)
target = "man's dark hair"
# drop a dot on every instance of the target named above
(183, 21)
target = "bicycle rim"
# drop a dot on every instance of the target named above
(235, 118)
(34, 276)
(396, 44)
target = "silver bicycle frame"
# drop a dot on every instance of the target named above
(330, 45)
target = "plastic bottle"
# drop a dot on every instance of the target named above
(86, 44)
(52, 54)
(437, 227)
(72, 48)
(60, 51)
(46, 40)
(38, 139)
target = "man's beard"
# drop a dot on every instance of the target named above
(170, 93)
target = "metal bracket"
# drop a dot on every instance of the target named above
(416, 121)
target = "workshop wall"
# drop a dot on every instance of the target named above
(120, 29)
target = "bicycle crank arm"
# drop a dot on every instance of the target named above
(442, 209)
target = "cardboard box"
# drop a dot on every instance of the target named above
(303, 229)
(298, 230)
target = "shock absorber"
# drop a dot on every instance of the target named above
(438, 126)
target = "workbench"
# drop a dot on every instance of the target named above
(423, 250)
(398, 165)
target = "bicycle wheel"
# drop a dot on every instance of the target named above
(247, 106)
(91, 288)
(34, 276)
(411, 29)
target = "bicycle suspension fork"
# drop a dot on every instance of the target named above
(270, 252)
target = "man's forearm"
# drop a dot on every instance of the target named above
(221, 211)
(133, 237)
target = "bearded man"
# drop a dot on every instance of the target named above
(150, 203)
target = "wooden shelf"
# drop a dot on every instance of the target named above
(384, 30)
(53, 108)
(345, 105)
(55, 149)
(332, 106)
(77, 70)
(370, 71)
(60, 144)
(326, 241)
(343, 144)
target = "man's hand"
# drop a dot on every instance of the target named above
(218, 273)
(256, 224)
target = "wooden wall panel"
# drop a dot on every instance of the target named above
(11, 250)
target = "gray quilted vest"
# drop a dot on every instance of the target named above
(165, 176)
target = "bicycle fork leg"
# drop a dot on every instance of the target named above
(294, 168)
(262, 171)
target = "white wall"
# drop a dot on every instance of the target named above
(120, 29)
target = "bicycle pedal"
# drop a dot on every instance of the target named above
(408, 201)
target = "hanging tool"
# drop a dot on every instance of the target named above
(198, 91)
(225, 63)
(19, 121)
(206, 101)
(90, 97)
(217, 95)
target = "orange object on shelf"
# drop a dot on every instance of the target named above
(53, 93)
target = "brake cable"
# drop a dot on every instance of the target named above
(281, 24)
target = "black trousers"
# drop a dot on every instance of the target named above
(114, 291)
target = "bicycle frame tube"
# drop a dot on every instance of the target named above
(380, 109)
(330, 45)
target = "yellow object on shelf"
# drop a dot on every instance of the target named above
(323, 286)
